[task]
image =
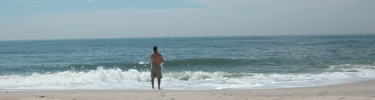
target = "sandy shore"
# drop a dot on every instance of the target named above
(352, 91)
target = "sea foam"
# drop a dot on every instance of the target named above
(115, 78)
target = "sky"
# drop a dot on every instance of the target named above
(86, 19)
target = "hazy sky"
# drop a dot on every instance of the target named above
(72, 19)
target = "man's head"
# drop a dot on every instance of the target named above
(155, 48)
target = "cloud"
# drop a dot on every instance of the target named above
(128, 22)
(235, 19)
(226, 3)
(89, 1)
(32, 3)
(303, 16)
(27, 1)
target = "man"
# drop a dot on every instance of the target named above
(156, 60)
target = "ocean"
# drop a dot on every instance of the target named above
(191, 63)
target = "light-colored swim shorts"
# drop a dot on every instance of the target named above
(156, 72)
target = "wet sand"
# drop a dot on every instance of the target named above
(352, 91)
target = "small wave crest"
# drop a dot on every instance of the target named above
(351, 68)
(200, 75)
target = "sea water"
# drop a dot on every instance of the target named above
(191, 63)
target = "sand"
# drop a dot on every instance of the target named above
(351, 91)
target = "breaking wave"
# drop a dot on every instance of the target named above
(115, 78)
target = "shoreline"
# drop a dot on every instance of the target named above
(276, 86)
(364, 90)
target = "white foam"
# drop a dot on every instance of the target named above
(116, 78)
(67, 78)
(143, 63)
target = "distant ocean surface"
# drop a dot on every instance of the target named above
(191, 63)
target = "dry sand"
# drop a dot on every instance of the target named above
(352, 91)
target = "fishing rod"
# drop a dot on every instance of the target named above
(165, 44)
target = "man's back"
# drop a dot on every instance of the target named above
(156, 58)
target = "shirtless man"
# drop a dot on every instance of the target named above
(156, 60)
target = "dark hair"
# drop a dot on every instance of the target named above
(155, 48)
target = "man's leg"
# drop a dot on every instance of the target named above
(152, 83)
(158, 83)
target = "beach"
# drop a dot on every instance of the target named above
(207, 68)
(203, 50)
(351, 91)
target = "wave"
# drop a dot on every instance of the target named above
(115, 78)
(206, 62)
(173, 64)
(202, 64)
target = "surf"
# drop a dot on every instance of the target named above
(116, 78)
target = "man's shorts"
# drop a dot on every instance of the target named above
(156, 72)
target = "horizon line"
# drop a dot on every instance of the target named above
(186, 37)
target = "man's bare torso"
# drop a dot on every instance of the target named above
(156, 58)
